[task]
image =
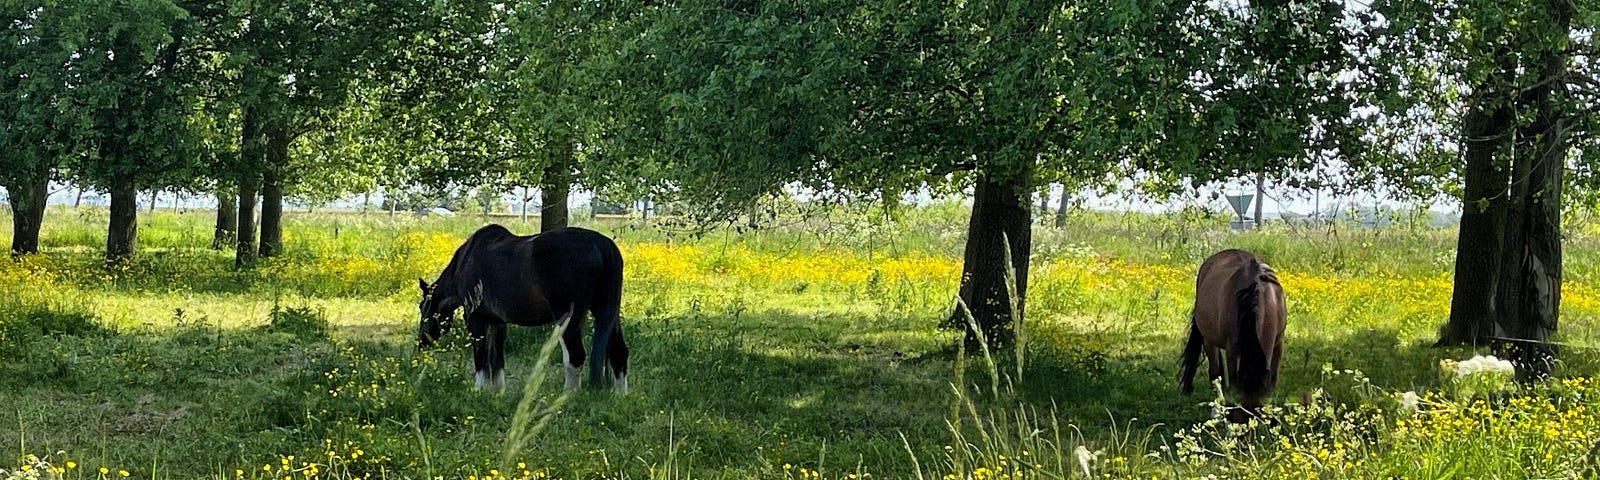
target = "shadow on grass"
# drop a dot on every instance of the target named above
(1094, 390)
(737, 394)
(207, 271)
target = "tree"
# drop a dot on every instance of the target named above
(409, 133)
(33, 138)
(296, 63)
(895, 94)
(131, 78)
(558, 54)
(1522, 75)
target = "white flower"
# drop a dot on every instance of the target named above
(1085, 459)
(1409, 401)
(1481, 364)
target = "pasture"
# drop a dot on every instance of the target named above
(807, 350)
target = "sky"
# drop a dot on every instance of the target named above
(1279, 200)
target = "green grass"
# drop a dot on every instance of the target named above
(765, 354)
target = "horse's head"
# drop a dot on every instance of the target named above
(434, 317)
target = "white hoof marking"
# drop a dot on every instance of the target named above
(621, 385)
(485, 381)
(572, 371)
(572, 376)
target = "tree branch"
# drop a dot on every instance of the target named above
(1585, 80)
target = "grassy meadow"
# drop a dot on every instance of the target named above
(806, 350)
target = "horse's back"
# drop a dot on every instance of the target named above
(572, 253)
(554, 271)
(1225, 262)
(1216, 285)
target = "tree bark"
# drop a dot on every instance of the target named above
(227, 219)
(1528, 302)
(553, 190)
(277, 158)
(251, 147)
(1001, 213)
(1261, 199)
(28, 198)
(525, 199)
(245, 248)
(552, 206)
(1483, 214)
(1044, 203)
(1061, 209)
(271, 215)
(122, 236)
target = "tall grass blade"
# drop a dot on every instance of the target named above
(529, 420)
(983, 344)
(1015, 305)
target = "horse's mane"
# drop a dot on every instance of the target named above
(1267, 275)
(484, 235)
(1253, 362)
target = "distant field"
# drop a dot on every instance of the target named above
(809, 350)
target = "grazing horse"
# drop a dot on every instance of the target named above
(505, 278)
(1238, 309)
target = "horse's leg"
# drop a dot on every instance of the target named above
(1213, 363)
(478, 329)
(608, 339)
(617, 355)
(497, 354)
(572, 353)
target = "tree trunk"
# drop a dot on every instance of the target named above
(555, 186)
(1529, 298)
(245, 249)
(122, 237)
(28, 199)
(1483, 214)
(1001, 212)
(155, 196)
(552, 206)
(525, 199)
(1261, 199)
(277, 158)
(251, 148)
(1044, 203)
(76, 202)
(227, 219)
(271, 215)
(1061, 209)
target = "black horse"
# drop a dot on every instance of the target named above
(531, 280)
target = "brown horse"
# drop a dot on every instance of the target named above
(1238, 309)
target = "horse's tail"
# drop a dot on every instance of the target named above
(611, 272)
(1246, 342)
(1189, 361)
(609, 347)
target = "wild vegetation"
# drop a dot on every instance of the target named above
(132, 344)
(810, 350)
(719, 105)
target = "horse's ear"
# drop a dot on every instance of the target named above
(422, 284)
